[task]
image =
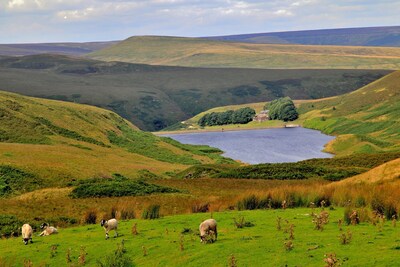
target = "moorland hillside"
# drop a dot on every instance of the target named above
(368, 36)
(49, 143)
(154, 97)
(365, 121)
(197, 52)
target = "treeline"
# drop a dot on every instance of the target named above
(240, 116)
(282, 109)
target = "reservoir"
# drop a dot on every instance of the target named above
(263, 146)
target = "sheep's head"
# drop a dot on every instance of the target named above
(102, 222)
(26, 241)
(43, 226)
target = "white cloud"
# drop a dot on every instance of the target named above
(15, 3)
(283, 12)
(118, 19)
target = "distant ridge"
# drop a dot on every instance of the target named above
(73, 49)
(368, 36)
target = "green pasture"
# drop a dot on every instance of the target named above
(161, 242)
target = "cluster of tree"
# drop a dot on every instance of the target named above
(282, 109)
(240, 116)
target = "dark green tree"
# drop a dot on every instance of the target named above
(282, 109)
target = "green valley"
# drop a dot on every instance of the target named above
(154, 97)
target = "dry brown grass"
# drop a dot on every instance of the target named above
(219, 194)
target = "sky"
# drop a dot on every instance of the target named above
(36, 21)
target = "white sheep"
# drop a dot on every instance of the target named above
(109, 225)
(47, 230)
(27, 233)
(206, 227)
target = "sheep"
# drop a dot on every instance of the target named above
(109, 225)
(47, 230)
(27, 233)
(206, 227)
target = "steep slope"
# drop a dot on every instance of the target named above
(369, 36)
(366, 120)
(197, 52)
(59, 142)
(386, 172)
(153, 97)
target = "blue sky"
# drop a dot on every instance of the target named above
(23, 21)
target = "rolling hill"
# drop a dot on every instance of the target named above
(52, 143)
(197, 52)
(366, 120)
(369, 36)
(154, 97)
(57, 48)
(387, 172)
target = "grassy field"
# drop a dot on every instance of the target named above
(153, 97)
(195, 52)
(161, 242)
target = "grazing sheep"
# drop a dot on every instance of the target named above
(206, 227)
(47, 230)
(27, 233)
(109, 225)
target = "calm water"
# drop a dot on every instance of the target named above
(262, 146)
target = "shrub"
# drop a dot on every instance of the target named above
(113, 212)
(331, 260)
(320, 220)
(241, 223)
(118, 258)
(390, 211)
(118, 188)
(127, 214)
(377, 204)
(14, 180)
(345, 238)
(90, 216)
(201, 208)
(346, 215)
(152, 212)
(232, 262)
(288, 245)
(9, 225)
(248, 203)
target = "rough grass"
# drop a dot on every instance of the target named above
(193, 52)
(161, 242)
